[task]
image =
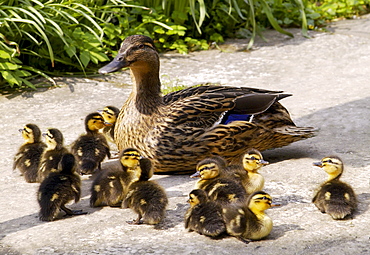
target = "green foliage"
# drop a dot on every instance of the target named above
(49, 37)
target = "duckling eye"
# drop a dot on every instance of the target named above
(25, 130)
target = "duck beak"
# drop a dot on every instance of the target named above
(108, 124)
(116, 64)
(319, 164)
(197, 174)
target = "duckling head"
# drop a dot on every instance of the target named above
(253, 160)
(209, 168)
(94, 122)
(67, 164)
(130, 158)
(31, 133)
(137, 52)
(197, 196)
(53, 139)
(258, 202)
(110, 114)
(332, 165)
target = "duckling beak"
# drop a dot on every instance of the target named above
(264, 162)
(274, 205)
(195, 175)
(319, 164)
(108, 124)
(116, 64)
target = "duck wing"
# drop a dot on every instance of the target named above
(206, 106)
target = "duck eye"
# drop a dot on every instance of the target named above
(141, 46)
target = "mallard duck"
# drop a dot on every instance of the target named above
(110, 114)
(53, 153)
(58, 189)
(110, 184)
(204, 216)
(248, 174)
(334, 197)
(146, 198)
(249, 221)
(92, 148)
(179, 129)
(218, 186)
(28, 157)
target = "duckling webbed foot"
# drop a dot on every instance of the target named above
(138, 221)
(70, 212)
(244, 240)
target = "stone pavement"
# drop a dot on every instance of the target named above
(328, 76)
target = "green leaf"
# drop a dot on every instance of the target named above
(99, 56)
(4, 54)
(85, 58)
(8, 66)
(70, 49)
(9, 78)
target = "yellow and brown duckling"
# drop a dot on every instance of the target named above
(28, 157)
(58, 189)
(204, 216)
(177, 130)
(91, 148)
(146, 198)
(248, 174)
(334, 197)
(110, 114)
(110, 185)
(249, 221)
(53, 153)
(218, 186)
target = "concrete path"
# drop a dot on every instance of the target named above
(328, 76)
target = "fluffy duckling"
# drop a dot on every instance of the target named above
(204, 216)
(53, 153)
(28, 157)
(110, 114)
(92, 148)
(248, 175)
(109, 186)
(146, 198)
(249, 222)
(334, 197)
(218, 185)
(58, 189)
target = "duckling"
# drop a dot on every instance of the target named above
(218, 186)
(110, 184)
(28, 157)
(53, 153)
(58, 189)
(204, 216)
(91, 149)
(147, 198)
(110, 114)
(334, 197)
(249, 221)
(248, 175)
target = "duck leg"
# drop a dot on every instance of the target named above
(72, 212)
